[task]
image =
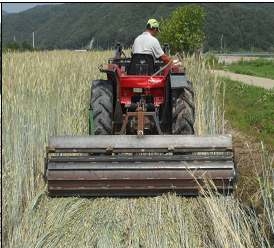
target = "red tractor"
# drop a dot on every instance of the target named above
(142, 118)
(142, 96)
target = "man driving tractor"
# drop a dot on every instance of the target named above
(147, 43)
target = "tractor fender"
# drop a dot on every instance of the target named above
(178, 81)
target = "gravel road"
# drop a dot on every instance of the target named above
(256, 81)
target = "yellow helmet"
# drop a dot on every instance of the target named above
(153, 24)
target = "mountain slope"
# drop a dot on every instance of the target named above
(243, 26)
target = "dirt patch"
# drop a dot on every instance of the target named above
(247, 79)
(248, 156)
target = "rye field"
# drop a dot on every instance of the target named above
(47, 94)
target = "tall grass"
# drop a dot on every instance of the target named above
(47, 93)
(264, 170)
(208, 97)
(44, 94)
(166, 221)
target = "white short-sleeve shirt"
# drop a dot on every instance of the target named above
(147, 44)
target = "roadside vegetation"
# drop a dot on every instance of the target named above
(259, 67)
(47, 94)
(250, 109)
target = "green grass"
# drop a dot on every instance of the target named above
(251, 110)
(258, 67)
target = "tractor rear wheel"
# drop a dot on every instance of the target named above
(102, 106)
(183, 111)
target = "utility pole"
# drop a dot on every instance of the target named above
(33, 40)
(222, 43)
(91, 43)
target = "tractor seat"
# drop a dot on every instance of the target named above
(141, 64)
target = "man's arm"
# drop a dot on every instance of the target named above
(166, 59)
(159, 53)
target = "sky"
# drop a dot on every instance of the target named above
(18, 7)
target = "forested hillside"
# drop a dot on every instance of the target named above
(242, 26)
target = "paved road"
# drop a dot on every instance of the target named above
(256, 81)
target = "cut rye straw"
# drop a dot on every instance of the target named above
(47, 94)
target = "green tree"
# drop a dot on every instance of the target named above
(183, 31)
